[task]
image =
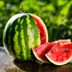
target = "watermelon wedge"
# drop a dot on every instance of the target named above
(41, 50)
(60, 54)
(42, 28)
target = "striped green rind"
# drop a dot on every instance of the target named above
(20, 35)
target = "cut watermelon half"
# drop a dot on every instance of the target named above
(60, 55)
(41, 50)
(42, 28)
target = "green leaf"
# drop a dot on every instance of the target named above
(61, 2)
(49, 7)
(66, 8)
(1, 4)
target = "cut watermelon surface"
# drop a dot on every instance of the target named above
(41, 50)
(60, 55)
(42, 28)
(57, 52)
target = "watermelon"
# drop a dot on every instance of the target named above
(23, 32)
(42, 29)
(41, 50)
(60, 54)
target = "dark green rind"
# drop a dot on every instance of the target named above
(20, 36)
(20, 39)
(26, 49)
(11, 35)
(15, 39)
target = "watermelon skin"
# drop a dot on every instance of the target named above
(60, 54)
(20, 35)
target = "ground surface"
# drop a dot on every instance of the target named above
(7, 65)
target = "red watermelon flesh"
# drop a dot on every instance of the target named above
(42, 29)
(41, 50)
(60, 55)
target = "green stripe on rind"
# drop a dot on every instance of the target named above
(35, 32)
(26, 50)
(30, 33)
(19, 38)
(22, 34)
(16, 46)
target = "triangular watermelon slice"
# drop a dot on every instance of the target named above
(41, 50)
(60, 54)
(42, 28)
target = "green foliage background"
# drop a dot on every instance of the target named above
(56, 14)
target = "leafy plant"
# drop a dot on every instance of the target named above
(55, 13)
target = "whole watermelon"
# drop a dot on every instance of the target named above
(22, 33)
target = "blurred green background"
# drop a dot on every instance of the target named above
(56, 14)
